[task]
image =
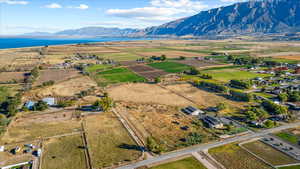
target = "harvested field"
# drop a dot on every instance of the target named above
(64, 153)
(269, 154)
(186, 163)
(201, 97)
(164, 123)
(56, 75)
(146, 93)
(12, 76)
(108, 141)
(233, 157)
(45, 117)
(19, 130)
(172, 54)
(147, 71)
(67, 88)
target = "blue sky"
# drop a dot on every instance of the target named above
(22, 16)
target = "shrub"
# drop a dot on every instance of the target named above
(240, 84)
(240, 96)
(274, 108)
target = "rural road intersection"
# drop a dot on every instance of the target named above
(202, 147)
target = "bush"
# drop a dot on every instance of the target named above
(240, 96)
(194, 138)
(40, 106)
(205, 76)
(48, 83)
(153, 146)
(194, 71)
(65, 103)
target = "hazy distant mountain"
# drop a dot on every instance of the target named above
(267, 16)
(89, 32)
(98, 31)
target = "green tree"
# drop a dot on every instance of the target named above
(283, 97)
(3, 120)
(163, 57)
(106, 103)
(269, 124)
(194, 71)
(153, 146)
(221, 106)
(40, 106)
(157, 80)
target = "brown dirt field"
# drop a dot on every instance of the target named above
(146, 93)
(158, 121)
(46, 117)
(56, 75)
(198, 63)
(64, 89)
(147, 71)
(10, 76)
(172, 54)
(201, 97)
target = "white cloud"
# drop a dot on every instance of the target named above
(161, 10)
(81, 6)
(232, 0)
(14, 2)
(53, 6)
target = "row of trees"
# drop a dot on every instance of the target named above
(240, 84)
(219, 88)
(289, 96)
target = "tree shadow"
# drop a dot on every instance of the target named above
(131, 147)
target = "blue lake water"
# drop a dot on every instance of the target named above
(6, 43)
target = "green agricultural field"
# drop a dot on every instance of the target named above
(118, 75)
(281, 60)
(64, 153)
(171, 67)
(233, 157)
(290, 167)
(187, 163)
(269, 154)
(288, 137)
(96, 68)
(227, 74)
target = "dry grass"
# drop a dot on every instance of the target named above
(56, 75)
(201, 97)
(172, 54)
(164, 123)
(64, 153)
(233, 157)
(18, 132)
(269, 154)
(67, 88)
(146, 93)
(109, 142)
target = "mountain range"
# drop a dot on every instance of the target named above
(256, 16)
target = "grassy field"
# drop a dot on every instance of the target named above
(225, 75)
(233, 157)
(64, 153)
(288, 137)
(171, 67)
(291, 167)
(22, 131)
(187, 163)
(109, 143)
(118, 75)
(96, 68)
(269, 154)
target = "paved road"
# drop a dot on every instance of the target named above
(193, 149)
